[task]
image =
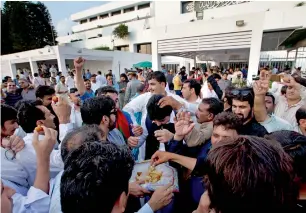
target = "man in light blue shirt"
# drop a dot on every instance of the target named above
(37, 198)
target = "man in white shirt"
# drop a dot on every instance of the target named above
(94, 83)
(53, 71)
(101, 79)
(157, 83)
(70, 81)
(32, 114)
(37, 198)
(61, 89)
(37, 80)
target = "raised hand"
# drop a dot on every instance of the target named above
(161, 197)
(182, 123)
(44, 147)
(78, 63)
(133, 141)
(163, 135)
(160, 157)
(63, 110)
(137, 130)
(14, 143)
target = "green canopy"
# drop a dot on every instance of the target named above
(143, 64)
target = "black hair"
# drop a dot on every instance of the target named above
(93, 173)
(228, 120)
(294, 144)
(75, 138)
(300, 114)
(248, 96)
(21, 72)
(108, 75)
(250, 174)
(155, 112)
(194, 84)
(28, 114)
(284, 89)
(35, 74)
(272, 96)
(124, 76)
(215, 106)
(43, 90)
(93, 109)
(99, 72)
(216, 76)
(7, 113)
(158, 76)
(104, 90)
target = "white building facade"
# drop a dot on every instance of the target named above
(223, 33)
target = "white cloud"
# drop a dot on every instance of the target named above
(64, 27)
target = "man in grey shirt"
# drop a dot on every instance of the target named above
(27, 91)
(131, 88)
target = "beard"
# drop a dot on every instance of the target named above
(241, 116)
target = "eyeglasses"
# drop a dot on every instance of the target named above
(10, 154)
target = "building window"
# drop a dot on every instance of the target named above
(128, 9)
(271, 40)
(123, 48)
(103, 16)
(83, 21)
(93, 18)
(143, 6)
(187, 6)
(116, 13)
(144, 48)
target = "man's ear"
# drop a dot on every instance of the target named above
(120, 204)
(39, 122)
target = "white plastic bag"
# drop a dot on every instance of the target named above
(169, 175)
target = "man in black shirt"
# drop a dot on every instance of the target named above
(242, 105)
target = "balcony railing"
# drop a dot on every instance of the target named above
(199, 6)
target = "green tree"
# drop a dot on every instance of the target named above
(25, 26)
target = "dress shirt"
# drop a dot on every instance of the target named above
(200, 135)
(75, 117)
(26, 159)
(286, 112)
(146, 209)
(101, 79)
(116, 137)
(95, 86)
(37, 81)
(274, 123)
(70, 82)
(36, 201)
(55, 194)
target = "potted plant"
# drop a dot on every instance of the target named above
(121, 31)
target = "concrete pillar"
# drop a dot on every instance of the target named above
(61, 63)
(156, 57)
(132, 48)
(254, 52)
(13, 70)
(33, 66)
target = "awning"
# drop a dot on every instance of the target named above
(295, 40)
(143, 64)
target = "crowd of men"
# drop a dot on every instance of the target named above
(235, 148)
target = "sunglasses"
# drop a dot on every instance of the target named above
(242, 92)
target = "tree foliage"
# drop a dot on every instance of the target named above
(25, 26)
(121, 31)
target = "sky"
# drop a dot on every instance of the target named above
(60, 12)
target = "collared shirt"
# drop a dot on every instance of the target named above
(116, 137)
(95, 86)
(37, 81)
(146, 209)
(286, 112)
(70, 82)
(101, 79)
(60, 87)
(274, 123)
(22, 170)
(36, 201)
(29, 94)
